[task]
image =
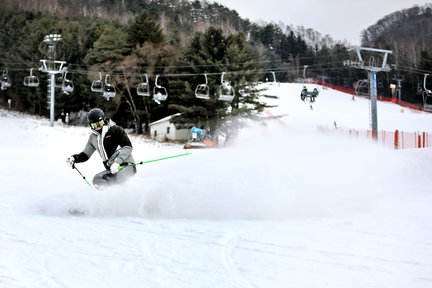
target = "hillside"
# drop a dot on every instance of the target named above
(183, 15)
(173, 15)
(409, 34)
(409, 25)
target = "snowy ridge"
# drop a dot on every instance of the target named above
(285, 206)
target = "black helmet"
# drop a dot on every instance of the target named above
(96, 118)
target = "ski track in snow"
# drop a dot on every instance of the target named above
(229, 245)
(275, 210)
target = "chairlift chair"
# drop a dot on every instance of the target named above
(143, 88)
(362, 88)
(159, 92)
(108, 89)
(97, 85)
(67, 85)
(5, 81)
(427, 96)
(309, 96)
(274, 78)
(31, 80)
(202, 91)
(272, 89)
(274, 82)
(226, 91)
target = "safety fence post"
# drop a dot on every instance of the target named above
(396, 139)
(402, 140)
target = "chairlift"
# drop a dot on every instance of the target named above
(5, 80)
(274, 82)
(274, 77)
(31, 80)
(108, 89)
(226, 91)
(202, 91)
(309, 96)
(67, 85)
(143, 88)
(271, 90)
(97, 85)
(159, 92)
(427, 96)
(362, 88)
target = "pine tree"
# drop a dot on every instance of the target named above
(211, 54)
(110, 47)
(144, 29)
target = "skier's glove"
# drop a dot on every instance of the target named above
(115, 167)
(71, 162)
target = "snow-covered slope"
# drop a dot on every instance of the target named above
(334, 106)
(284, 207)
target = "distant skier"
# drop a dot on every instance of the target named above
(114, 147)
(198, 134)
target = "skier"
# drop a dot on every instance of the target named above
(114, 147)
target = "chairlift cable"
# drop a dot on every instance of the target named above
(312, 67)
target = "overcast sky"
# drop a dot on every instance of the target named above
(341, 19)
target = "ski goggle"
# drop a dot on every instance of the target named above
(97, 125)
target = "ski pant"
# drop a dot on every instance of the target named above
(106, 178)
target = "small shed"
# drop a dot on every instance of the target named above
(163, 130)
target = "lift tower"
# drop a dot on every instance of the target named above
(52, 67)
(373, 67)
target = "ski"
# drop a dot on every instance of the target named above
(77, 212)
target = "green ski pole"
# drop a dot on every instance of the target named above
(159, 159)
(82, 175)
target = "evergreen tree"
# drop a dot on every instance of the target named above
(211, 54)
(110, 47)
(144, 29)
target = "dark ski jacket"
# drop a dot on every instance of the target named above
(111, 142)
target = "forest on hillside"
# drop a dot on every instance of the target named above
(408, 34)
(136, 48)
